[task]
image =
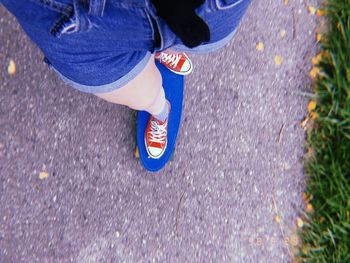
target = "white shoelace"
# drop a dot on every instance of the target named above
(158, 132)
(172, 59)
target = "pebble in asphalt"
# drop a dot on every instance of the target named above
(212, 203)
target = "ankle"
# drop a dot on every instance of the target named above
(163, 115)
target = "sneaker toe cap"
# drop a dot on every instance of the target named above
(155, 152)
(186, 67)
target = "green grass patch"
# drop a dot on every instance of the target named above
(326, 233)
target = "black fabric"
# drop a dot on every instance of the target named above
(157, 39)
(182, 19)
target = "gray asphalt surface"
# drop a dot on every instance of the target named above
(212, 203)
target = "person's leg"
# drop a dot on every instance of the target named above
(145, 92)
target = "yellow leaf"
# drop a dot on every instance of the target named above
(321, 12)
(299, 222)
(307, 198)
(318, 37)
(43, 175)
(309, 208)
(278, 60)
(277, 218)
(311, 106)
(260, 46)
(339, 26)
(283, 33)
(326, 54)
(315, 71)
(11, 69)
(314, 115)
(285, 2)
(137, 153)
(312, 10)
(317, 59)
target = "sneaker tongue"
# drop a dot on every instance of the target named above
(158, 55)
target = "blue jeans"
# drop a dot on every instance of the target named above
(98, 46)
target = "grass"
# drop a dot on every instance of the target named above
(325, 236)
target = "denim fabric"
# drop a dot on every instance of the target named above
(87, 49)
(100, 45)
(222, 17)
(205, 48)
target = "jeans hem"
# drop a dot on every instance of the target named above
(206, 48)
(106, 88)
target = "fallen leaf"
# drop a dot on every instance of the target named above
(314, 72)
(316, 60)
(312, 10)
(260, 46)
(321, 12)
(309, 208)
(283, 33)
(43, 175)
(299, 222)
(277, 219)
(311, 106)
(278, 60)
(318, 37)
(137, 153)
(325, 54)
(306, 198)
(314, 115)
(339, 25)
(11, 69)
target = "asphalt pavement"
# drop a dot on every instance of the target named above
(240, 147)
